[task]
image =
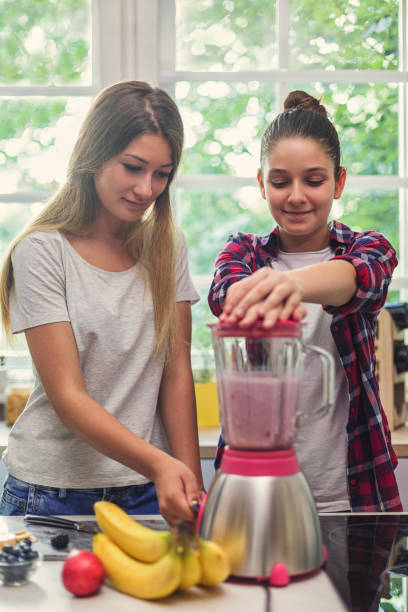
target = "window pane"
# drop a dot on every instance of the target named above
(345, 34)
(208, 217)
(223, 125)
(216, 214)
(13, 217)
(36, 138)
(45, 42)
(376, 210)
(366, 118)
(394, 295)
(202, 353)
(229, 35)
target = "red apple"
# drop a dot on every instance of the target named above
(82, 573)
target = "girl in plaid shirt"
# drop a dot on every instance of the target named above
(336, 279)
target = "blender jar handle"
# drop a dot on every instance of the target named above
(328, 374)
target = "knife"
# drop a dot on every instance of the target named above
(56, 521)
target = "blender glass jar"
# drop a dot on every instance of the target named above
(259, 375)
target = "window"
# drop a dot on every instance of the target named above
(229, 64)
(46, 84)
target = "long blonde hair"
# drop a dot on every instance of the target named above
(119, 114)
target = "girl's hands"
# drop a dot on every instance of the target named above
(267, 294)
(177, 491)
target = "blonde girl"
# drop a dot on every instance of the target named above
(99, 284)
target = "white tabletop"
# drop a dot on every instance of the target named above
(46, 594)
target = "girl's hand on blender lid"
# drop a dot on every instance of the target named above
(267, 294)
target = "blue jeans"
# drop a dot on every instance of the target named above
(22, 497)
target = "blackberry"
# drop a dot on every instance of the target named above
(60, 541)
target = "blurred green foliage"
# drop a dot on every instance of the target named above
(344, 34)
(41, 43)
(225, 35)
(366, 117)
(45, 42)
(241, 35)
(12, 218)
(26, 122)
(224, 124)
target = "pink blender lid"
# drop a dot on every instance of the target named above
(281, 329)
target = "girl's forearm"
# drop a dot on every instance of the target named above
(330, 282)
(177, 397)
(178, 412)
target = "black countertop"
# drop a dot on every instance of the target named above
(368, 559)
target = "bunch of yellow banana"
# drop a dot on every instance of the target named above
(204, 562)
(137, 578)
(132, 537)
(152, 564)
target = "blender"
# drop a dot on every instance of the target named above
(259, 506)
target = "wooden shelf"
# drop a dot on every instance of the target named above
(399, 438)
(392, 384)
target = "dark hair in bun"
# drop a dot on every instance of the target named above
(305, 117)
(300, 99)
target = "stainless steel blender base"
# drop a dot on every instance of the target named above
(261, 521)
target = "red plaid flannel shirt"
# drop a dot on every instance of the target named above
(370, 459)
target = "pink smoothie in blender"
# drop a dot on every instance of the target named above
(260, 410)
(259, 374)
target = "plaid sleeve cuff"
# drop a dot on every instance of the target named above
(374, 261)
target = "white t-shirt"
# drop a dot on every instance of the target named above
(321, 442)
(112, 318)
